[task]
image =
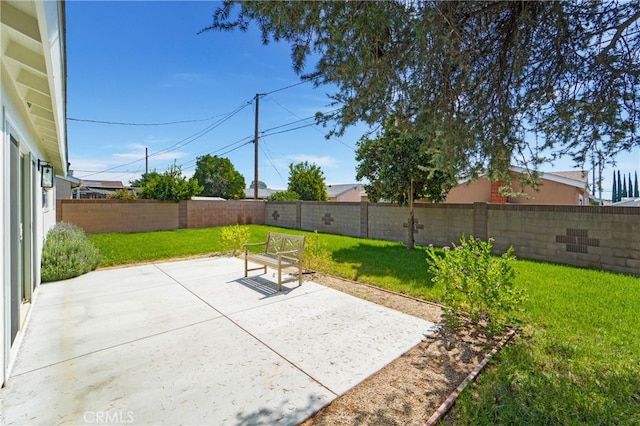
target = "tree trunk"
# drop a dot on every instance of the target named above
(410, 226)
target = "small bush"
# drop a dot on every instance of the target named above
(122, 194)
(233, 238)
(316, 255)
(476, 283)
(284, 196)
(67, 253)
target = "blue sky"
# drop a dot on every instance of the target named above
(143, 62)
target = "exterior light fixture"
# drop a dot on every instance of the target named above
(46, 176)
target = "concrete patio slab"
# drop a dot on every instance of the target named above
(193, 342)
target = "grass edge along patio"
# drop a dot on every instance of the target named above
(575, 359)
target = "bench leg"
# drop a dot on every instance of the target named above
(299, 274)
(279, 279)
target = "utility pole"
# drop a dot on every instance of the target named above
(255, 143)
(146, 160)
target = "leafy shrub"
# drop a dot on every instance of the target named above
(476, 283)
(170, 186)
(67, 253)
(233, 237)
(122, 194)
(316, 255)
(284, 196)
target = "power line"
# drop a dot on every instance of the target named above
(182, 142)
(316, 129)
(288, 130)
(270, 160)
(168, 123)
(286, 87)
(121, 123)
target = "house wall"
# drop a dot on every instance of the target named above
(350, 196)
(63, 189)
(470, 192)
(550, 192)
(38, 216)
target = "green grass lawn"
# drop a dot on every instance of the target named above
(575, 361)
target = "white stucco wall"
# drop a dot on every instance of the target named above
(16, 121)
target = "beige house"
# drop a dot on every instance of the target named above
(558, 188)
(345, 193)
(34, 151)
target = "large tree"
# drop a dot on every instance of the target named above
(307, 180)
(399, 168)
(219, 178)
(486, 84)
(395, 164)
(169, 186)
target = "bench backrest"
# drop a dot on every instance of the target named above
(285, 242)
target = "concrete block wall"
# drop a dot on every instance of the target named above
(585, 236)
(442, 225)
(205, 214)
(331, 218)
(101, 216)
(439, 225)
(285, 214)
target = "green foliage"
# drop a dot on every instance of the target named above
(219, 178)
(170, 186)
(123, 194)
(233, 238)
(307, 180)
(476, 283)
(144, 179)
(317, 256)
(481, 75)
(283, 196)
(67, 253)
(575, 363)
(393, 160)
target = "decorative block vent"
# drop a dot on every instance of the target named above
(577, 240)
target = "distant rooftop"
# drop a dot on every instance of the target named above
(263, 193)
(337, 190)
(107, 184)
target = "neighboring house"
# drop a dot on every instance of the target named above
(263, 193)
(94, 189)
(67, 187)
(559, 188)
(348, 192)
(34, 150)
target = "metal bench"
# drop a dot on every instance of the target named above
(280, 251)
